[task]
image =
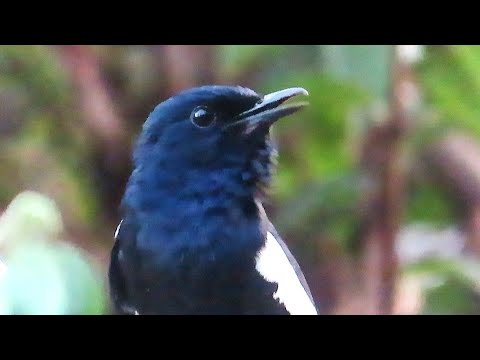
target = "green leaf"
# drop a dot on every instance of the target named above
(44, 275)
(29, 216)
(465, 270)
(367, 66)
(83, 283)
(53, 279)
(428, 203)
(450, 80)
(236, 59)
(451, 297)
(450, 285)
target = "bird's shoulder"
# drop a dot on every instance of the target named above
(276, 263)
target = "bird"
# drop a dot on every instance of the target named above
(194, 237)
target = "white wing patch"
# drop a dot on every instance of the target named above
(274, 266)
(118, 229)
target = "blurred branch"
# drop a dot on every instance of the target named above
(94, 101)
(386, 204)
(188, 65)
(454, 162)
(473, 226)
(111, 140)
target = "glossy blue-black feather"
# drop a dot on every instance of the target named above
(192, 226)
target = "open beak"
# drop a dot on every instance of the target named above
(270, 109)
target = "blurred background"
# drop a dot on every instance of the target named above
(378, 184)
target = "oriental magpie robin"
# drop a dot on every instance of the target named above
(194, 237)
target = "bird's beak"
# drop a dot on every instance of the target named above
(270, 109)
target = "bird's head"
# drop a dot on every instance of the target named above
(214, 132)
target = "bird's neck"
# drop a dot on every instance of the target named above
(188, 191)
(196, 209)
(189, 187)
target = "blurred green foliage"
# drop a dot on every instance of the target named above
(43, 274)
(42, 131)
(451, 81)
(365, 66)
(450, 285)
(429, 204)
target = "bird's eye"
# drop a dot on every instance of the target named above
(202, 117)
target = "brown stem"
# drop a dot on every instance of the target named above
(386, 204)
(473, 228)
(453, 162)
(98, 110)
(188, 65)
(110, 141)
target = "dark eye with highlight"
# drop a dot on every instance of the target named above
(202, 117)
